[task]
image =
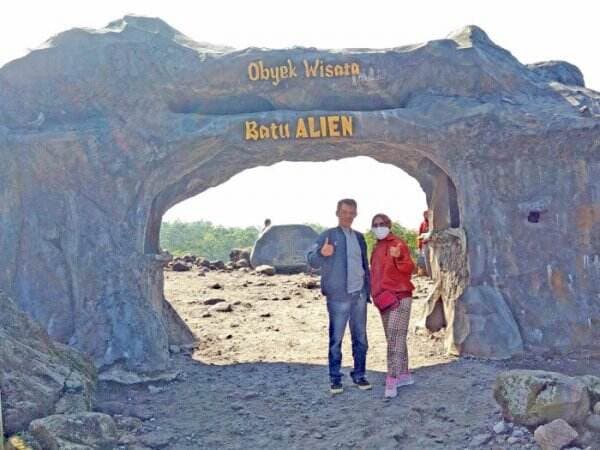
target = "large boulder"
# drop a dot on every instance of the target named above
(38, 376)
(536, 397)
(76, 432)
(284, 247)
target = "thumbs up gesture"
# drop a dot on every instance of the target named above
(327, 249)
(395, 251)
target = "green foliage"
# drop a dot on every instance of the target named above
(204, 239)
(408, 236)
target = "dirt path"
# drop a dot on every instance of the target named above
(259, 378)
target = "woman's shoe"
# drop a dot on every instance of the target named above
(404, 379)
(390, 387)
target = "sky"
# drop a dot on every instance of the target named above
(532, 31)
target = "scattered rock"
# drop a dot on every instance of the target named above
(265, 270)
(242, 263)
(265, 314)
(180, 266)
(222, 307)
(175, 349)
(217, 264)
(128, 424)
(155, 389)
(481, 439)
(156, 439)
(216, 286)
(310, 284)
(213, 301)
(554, 435)
(500, 428)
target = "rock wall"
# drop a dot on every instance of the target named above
(101, 131)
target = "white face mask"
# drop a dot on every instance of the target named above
(380, 232)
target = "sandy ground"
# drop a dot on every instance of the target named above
(259, 378)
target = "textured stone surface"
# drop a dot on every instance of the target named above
(592, 384)
(534, 397)
(554, 435)
(284, 247)
(102, 131)
(75, 431)
(38, 377)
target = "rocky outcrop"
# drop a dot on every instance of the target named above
(102, 131)
(38, 377)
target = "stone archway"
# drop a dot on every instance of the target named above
(102, 131)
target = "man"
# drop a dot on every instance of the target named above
(423, 241)
(341, 253)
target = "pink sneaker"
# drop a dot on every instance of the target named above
(390, 387)
(404, 379)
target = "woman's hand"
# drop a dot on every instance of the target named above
(395, 252)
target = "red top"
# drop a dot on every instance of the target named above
(423, 228)
(389, 273)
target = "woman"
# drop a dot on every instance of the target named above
(391, 289)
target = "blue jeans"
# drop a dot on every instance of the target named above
(350, 308)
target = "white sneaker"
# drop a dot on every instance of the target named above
(390, 387)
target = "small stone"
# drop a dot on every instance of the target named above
(480, 439)
(265, 314)
(554, 435)
(155, 389)
(318, 435)
(593, 422)
(174, 348)
(512, 440)
(216, 286)
(265, 270)
(222, 307)
(213, 301)
(500, 428)
(206, 314)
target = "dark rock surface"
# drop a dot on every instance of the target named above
(102, 131)
(38, 377)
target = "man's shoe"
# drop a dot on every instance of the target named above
(363, 384)
(336, 388)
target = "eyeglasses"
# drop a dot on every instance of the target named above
(379, 225)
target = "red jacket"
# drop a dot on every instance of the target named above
(389, 273)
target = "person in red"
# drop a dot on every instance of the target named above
(391, 289)
(423, 243)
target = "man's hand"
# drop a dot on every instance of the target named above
(327, 249)
(395, 251)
